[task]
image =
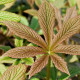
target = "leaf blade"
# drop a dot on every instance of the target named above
(38, 65)
(25, 32)
(68, 49)
(68, 29)
(24, 52)
(4, 15)
(15, 72)
(59, 63)
(46, 17)
(71, 12)
(32, 12)
(5, 1)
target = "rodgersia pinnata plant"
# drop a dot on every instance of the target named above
(52, 43)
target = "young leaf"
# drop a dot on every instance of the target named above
(71, 12)
(59, 63)
(69, 28)
(6, 1)
(32, 12)
(46, 17)
(24, 52)
(25, 32)
(38, 65)
(15, 73)
(68, 49)
(4, 15)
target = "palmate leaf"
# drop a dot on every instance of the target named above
(5, 1)
(46, 17)
(15, 73)
(4, 15)
(24, 52)
(38, 65)
(59, 63)
(25, 32)
(68, 49)
(69, 28)
(71, 12)
(32, 12)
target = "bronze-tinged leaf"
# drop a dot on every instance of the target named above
(46, 17)
(38, 65)
(59, 63)
(25, 32)
(71, 12)
(58, 17)
(68, 29)
(68, 49)
(24, 52)
(16, 72)
(32, 12)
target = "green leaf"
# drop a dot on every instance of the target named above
(6, 1)
(5, 48)
(28, 61)
(24, 21)
(51, 1)
(18, 42)
(59, 3)
(53, 72)
(16, 72)
(34, 78)
(72, 2)
(4, 15)
(34, 23)
(74, 69)
(38, 2)
(41, 74)
(2, 68)
(32, 12)
(17, 61)
(6, 60)
(6, 6)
